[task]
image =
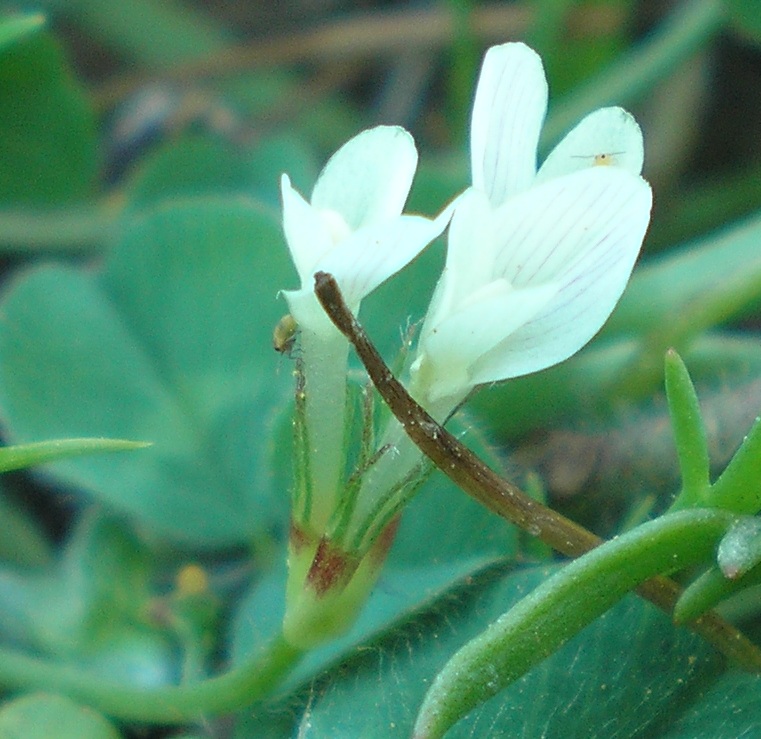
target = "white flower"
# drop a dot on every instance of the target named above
(536, 261)
(353, 227)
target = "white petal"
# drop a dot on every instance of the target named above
(542, 232)
(368, 179)
(606, 242)
(451, 348)
(371, 255)
(609, 136)
(307, 311)
(305, 232)
(510, 105)
(470, 234)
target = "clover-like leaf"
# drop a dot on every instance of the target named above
(168, 342)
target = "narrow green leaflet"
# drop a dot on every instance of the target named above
(708, 590)
(561, 607)
(678, 281)
(20, 456)
(688, 430)
(739, 486)
(169, 342)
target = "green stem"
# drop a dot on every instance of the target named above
(681, 35)
(564, 604)
(179, 704)
(710, 589)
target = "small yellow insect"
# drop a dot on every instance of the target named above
(284, 335)
(605, 160)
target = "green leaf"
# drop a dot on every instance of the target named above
(47, 129)
(679, 282)
(726, 706)
(560, 607)
(628, 671)
(739, 486)
(192, 165)
(689, 433)
(196, 164)
(20, 456)
(153, 32)
(41, 716)
(686, 30)
(14, 28)
(171, 343)
(587, 387)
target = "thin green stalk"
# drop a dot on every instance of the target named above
(180, 704)
(562, 605)
(710, 589)
(705, 207)
(681, 35)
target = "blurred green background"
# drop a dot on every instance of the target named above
(141, 145)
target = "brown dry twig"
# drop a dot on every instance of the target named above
(501, 496)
